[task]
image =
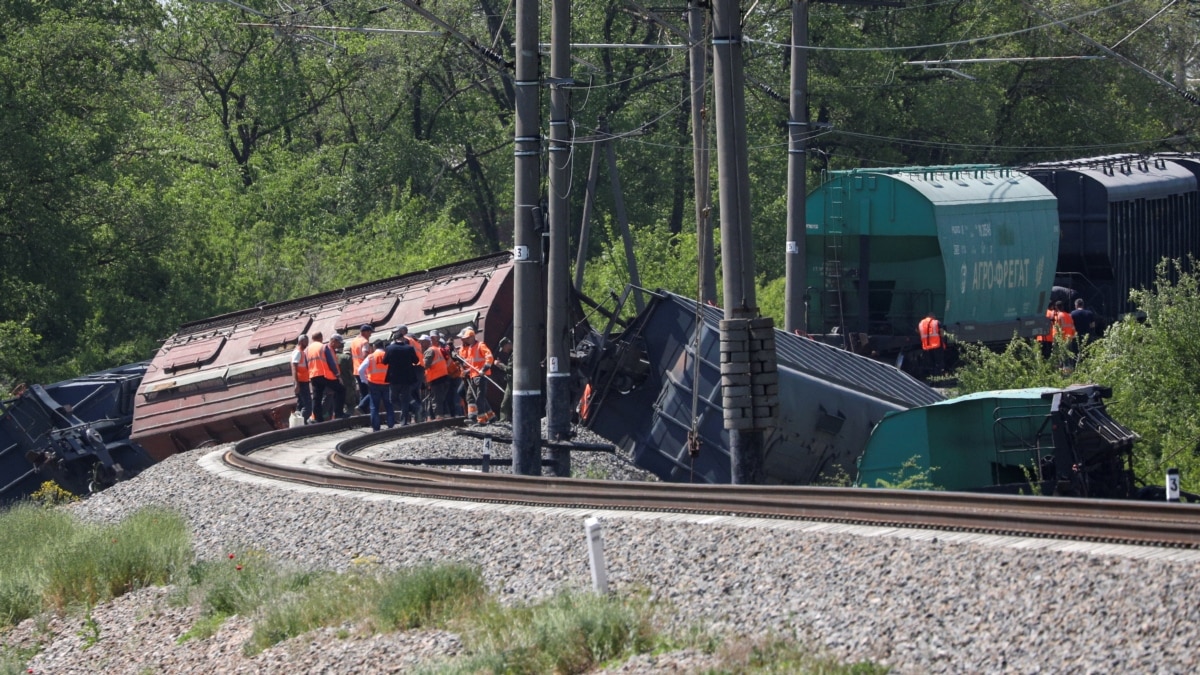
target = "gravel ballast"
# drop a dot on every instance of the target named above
(916, 604)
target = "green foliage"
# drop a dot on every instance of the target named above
(165, 163)
(425, 595)
(910, 476)
(48, 560)
(1150, 365)
(1021, 365)
(774, 655)
(570, 633)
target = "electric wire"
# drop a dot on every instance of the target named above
(969, 41)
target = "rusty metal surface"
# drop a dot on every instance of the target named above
(1110, 521)
(228, 377)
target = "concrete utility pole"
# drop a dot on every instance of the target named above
(796, 275)
(749, 381)
(698, 65)
(558, 329)
(528, 310)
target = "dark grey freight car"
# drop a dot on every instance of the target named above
(1119, 216)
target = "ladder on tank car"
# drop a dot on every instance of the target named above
(834, 298)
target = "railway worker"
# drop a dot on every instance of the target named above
(1085, 321)
(300, 378)
(933, 342)
(416, 345)
(503, 366)
(1062, 323)
(348, 379)
(378, 392)
(437, 375)
(452, 404)
(323, 374)
(402, 373)
(477, 361)
(360, 346)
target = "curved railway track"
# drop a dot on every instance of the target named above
(312, 461)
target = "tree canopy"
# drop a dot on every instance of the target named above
(168, 160)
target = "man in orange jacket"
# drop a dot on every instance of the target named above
(933, 342)
(477, 362)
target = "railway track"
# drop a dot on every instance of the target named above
(328, 456)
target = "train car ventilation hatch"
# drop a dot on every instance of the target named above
(193, 354)
(374, 311)
(207, 379)
(279, 333)
(456, 293)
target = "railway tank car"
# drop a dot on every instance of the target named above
(975, 245)
(1119, 216)
(229, 377)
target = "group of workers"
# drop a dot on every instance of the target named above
(1074, 326)
(407, 380)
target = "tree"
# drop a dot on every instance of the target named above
(1151, 366)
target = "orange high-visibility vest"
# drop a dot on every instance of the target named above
(931, 333)
(478, 358)
(376, 368)
(359, 348)
(317, 365)
(302, 366)
(1063, 322)
(437, 365)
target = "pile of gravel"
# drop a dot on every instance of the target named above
(917, 603)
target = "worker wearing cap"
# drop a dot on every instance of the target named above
(324, 373)
(404, 377)
(300, 378)
(477, 363)
(360, 346)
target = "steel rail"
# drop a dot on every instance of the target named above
(1109, 521)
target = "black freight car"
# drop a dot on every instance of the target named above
(1119, 216)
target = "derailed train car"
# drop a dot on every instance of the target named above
(659, 380)
(229, 377)
(75, 433)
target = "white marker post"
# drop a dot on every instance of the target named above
(596, 555)
(486, 465)
(1172, 485)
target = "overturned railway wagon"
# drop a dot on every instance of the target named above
(229, 377)
(661, 378)
(74, 432)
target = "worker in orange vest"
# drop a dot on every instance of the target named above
(360, 346)
(477, 362)
(300, 378)
(323, 373)
(933, 342)
(437, 375)
(378, 391)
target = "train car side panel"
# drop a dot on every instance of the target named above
(229, 377)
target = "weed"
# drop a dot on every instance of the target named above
(51, 494)
(773, 656)
(910, 476)
(90, 631)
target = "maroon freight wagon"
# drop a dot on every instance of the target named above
(229, 377)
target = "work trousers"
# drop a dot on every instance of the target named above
(303, 400)
(379, 396)
(405, 398)
(336, 391)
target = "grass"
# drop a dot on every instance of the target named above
(51, 562)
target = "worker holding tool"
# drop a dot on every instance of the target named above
(477, 361)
